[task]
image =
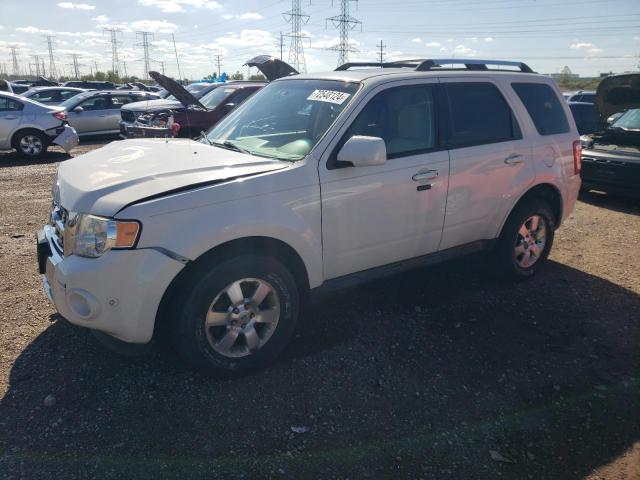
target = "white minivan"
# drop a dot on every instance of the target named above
(318, 181)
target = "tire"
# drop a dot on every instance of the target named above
(30, 143)
(209, 291)
(517, 255)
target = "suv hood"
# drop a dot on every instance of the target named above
(271, 67)
(177, 90)
(104, 181)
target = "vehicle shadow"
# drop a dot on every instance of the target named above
(418, 376)
(10, 158)
(618, 203)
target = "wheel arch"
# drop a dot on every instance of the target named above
(268, 246)
(15, 135)
(545, 191)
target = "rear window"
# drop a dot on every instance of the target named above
(543, 106)
(479, 115)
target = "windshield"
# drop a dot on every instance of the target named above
(629, 120)
(216, 97)
(285, 119)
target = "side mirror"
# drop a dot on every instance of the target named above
(363, 151)
(78, 110)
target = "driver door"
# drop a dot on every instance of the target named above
(95, 111)
(377, 215)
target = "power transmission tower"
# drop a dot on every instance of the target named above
(218, 60)
(161, 62)
(75, 65)
(281, 44)
(115, 61)
(344, 22)
(145, 47)
(36, 59)
(297, 18)
(95, 64)
(14, 60)
(124, 65)
(381, 52)
(176, 52)
(44, 71)
(52, 64)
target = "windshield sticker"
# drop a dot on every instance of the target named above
(330, 96)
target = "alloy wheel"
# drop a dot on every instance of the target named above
(530, 241)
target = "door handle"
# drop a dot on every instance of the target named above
(425, 175)
(514, 159)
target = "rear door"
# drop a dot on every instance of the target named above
(490, 159)
(10, 118)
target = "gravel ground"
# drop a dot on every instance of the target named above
(441, 373)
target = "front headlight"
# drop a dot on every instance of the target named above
(93, 236)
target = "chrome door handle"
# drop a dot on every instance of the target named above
(425, 175)
(514, 159)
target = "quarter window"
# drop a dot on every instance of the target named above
(8, 105)
(479, 114)
(404, 117)
(543, 106)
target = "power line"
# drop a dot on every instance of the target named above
(297, 18)
(115, 61)
(145, 47)
(344, 22)
(173, 37)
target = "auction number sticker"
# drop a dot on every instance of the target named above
(330, 96)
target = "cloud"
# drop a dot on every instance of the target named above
(488, 39)
(462, 50)
(227, 16)
(159, 26)
(251, 16)
(416, 40)
(593, 51)
(172, 6)
(32, 29)
(77, 6)
(432, 44)
(101, 19)
(579, 46)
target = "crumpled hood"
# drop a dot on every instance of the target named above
(104, 181)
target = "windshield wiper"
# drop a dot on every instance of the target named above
(230, 146)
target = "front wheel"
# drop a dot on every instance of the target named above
(526, 239)
(236, 316)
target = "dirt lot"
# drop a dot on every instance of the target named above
(443, 373)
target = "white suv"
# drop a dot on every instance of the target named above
(317, 181)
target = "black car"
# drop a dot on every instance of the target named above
(587, 96)
(611, 158)
(90, 85)
(586, 116)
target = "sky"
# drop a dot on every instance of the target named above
(589, 36)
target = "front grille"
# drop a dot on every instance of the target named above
(58, 220)
(128, 116)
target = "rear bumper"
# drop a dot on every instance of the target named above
(573, 190)
(67, 139)
(117, 294)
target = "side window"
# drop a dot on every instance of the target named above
(543, 106)
(67, 94)
(95, 103)
(118, 100)
(8, 105)
(479, 114)
(46, 96)
(404, 117)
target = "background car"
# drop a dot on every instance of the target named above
(585, 115)
(30, 127)
(90, 84)
(52, 95)
(98, 112)
(588, 96)
(130, 112)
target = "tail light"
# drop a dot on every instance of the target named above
(577, 157)
(62, 116)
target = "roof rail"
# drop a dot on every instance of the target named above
(423, 64)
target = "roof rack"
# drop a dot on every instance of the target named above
(424, 65)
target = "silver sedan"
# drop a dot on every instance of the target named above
(98, 112)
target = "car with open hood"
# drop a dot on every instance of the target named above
(197, 115)
(316, 182)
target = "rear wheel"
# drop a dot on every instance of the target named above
(31, 143)
(236, 316)
(526, 239)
